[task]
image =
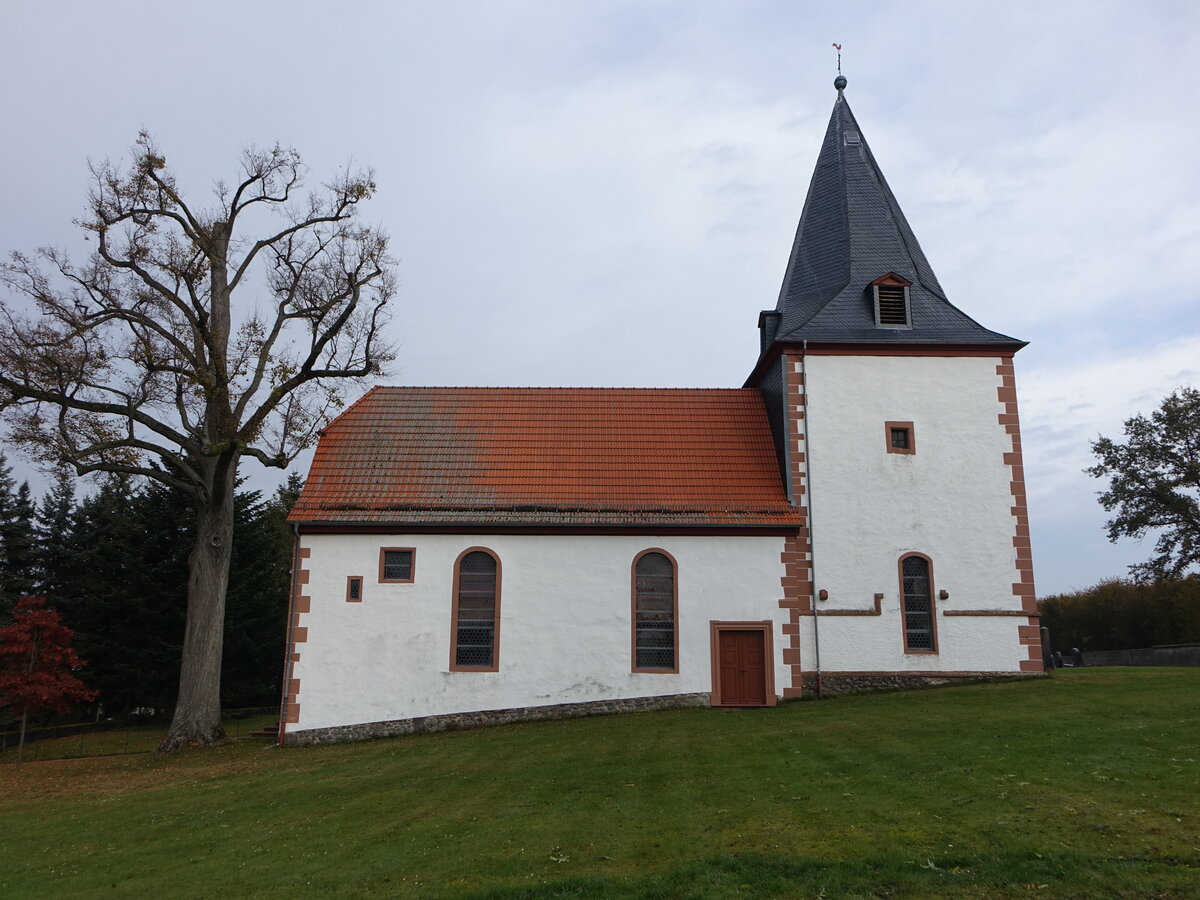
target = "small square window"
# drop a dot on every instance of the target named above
(396, 565)
(354, 586)
(900, 437)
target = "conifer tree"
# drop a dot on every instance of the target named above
(17, 551)
(6, 514)
(108, 597)
(262, 589)
(53, 527)
(256, 608)
(126, 572)
(22, 543)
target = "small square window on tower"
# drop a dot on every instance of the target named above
(900, 437)
(354, 585)
(891, 300)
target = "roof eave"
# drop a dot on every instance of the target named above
(542, 527)
(1006, 347)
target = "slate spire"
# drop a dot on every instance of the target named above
(851, 233)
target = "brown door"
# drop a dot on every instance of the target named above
(743, 668)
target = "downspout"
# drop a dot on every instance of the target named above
(812, 556)
(288, 663)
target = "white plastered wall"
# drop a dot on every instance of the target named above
(564, 622)
(951, 501)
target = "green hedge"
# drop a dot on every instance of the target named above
(1122, 615)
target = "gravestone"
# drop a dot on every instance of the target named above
(1047, 659)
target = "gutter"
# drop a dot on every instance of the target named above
(808, 488)
(388, 526)
(288, 662)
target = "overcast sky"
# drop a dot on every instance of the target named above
(605, 193)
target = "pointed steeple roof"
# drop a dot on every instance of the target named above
(851, 233)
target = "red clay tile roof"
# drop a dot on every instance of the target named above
(548, 456)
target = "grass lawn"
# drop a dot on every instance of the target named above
(138, 739)
(1086, 784)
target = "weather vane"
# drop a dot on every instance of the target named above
(840, 81)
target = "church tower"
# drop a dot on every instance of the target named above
(894, 415)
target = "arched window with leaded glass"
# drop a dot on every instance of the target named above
(916, 604)
(655, 613)
(475, 640)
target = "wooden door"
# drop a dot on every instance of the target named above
(743, 668)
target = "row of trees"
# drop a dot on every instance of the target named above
(115, 564)
(1121, 615)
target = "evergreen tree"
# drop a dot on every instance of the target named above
(258, 600)
(7, 501)
(124, 574)
(165, 521)
(22, 542)
(255, 610)
(17, 550)
(54, 528)
(285, 498)
(108, 598)
(281, 543)
(122, 593)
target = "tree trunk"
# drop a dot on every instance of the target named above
(34, 646)
(197, 719)
(21, 743)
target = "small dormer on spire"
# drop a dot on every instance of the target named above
(889, 295)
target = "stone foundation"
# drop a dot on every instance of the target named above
(859, 682)
(461, 721)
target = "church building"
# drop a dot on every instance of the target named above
(852, 517)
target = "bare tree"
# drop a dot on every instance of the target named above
(138, 362)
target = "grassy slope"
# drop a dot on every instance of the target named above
(1083, 785)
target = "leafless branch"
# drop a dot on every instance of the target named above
(139, 345)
